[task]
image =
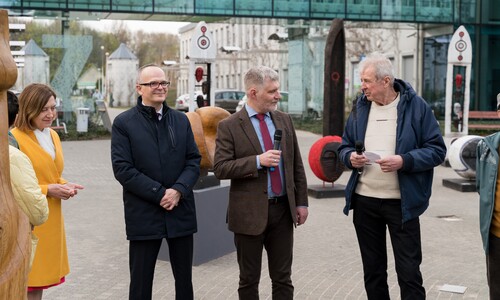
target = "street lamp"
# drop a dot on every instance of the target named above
(99, 82)
(102, 71)
(106, 77)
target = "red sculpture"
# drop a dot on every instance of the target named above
(324, 160)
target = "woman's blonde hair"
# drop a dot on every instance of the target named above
(32, 100)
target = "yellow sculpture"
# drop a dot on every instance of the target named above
(15, 244)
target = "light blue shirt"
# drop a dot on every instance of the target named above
(270, 126)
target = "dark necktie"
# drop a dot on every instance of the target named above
(268, 145)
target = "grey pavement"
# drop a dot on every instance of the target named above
(327, 263)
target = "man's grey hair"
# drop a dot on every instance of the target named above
(380, 64)
(257, 75)
(139, 72)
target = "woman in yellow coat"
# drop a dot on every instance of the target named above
(37, 111)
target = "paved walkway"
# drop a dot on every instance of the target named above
(327, 263)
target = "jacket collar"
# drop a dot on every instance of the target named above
(150, 111)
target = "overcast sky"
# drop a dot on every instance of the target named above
(146, 26)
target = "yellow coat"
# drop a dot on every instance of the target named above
(51, 257)
(27, 192)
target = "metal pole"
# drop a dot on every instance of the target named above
(106, 76)
(101, 90)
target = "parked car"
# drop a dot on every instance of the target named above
(315, 109)
(182, 102)
(227, 99)
(241, 103)
(438, 107)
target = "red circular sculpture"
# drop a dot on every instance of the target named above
(324, 159)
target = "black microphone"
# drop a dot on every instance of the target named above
(360, 148)
(277, 143)
(277, 139)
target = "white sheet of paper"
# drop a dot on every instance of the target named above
(453, 288)
(372, 156)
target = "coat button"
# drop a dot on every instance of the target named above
(155, 189)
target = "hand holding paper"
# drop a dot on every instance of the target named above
(372, 156)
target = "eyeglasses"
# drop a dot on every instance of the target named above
(156, 84)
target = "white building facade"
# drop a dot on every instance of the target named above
(240, 46)
(299, 59)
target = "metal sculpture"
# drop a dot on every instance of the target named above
(462, 156)
(458, 78)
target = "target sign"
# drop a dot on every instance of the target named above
(203, 42)
(203, 46)
(461, 46)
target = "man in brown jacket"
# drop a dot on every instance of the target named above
(268, 193)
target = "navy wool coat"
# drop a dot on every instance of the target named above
(148, 157)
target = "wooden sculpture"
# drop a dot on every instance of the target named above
(334, 90)
(15, 245)
(204, 123)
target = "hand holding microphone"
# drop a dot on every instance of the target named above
(360, 148)
(277, 143)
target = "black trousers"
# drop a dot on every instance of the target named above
(142, 262)
(493, 267)
(371, 218)
(278, 242)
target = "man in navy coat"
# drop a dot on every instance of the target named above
(156, 160)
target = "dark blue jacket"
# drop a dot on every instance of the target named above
(148, 157)
(418, 141)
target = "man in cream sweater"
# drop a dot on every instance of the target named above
(391, 182)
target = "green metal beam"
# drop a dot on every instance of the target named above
(415, 11)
